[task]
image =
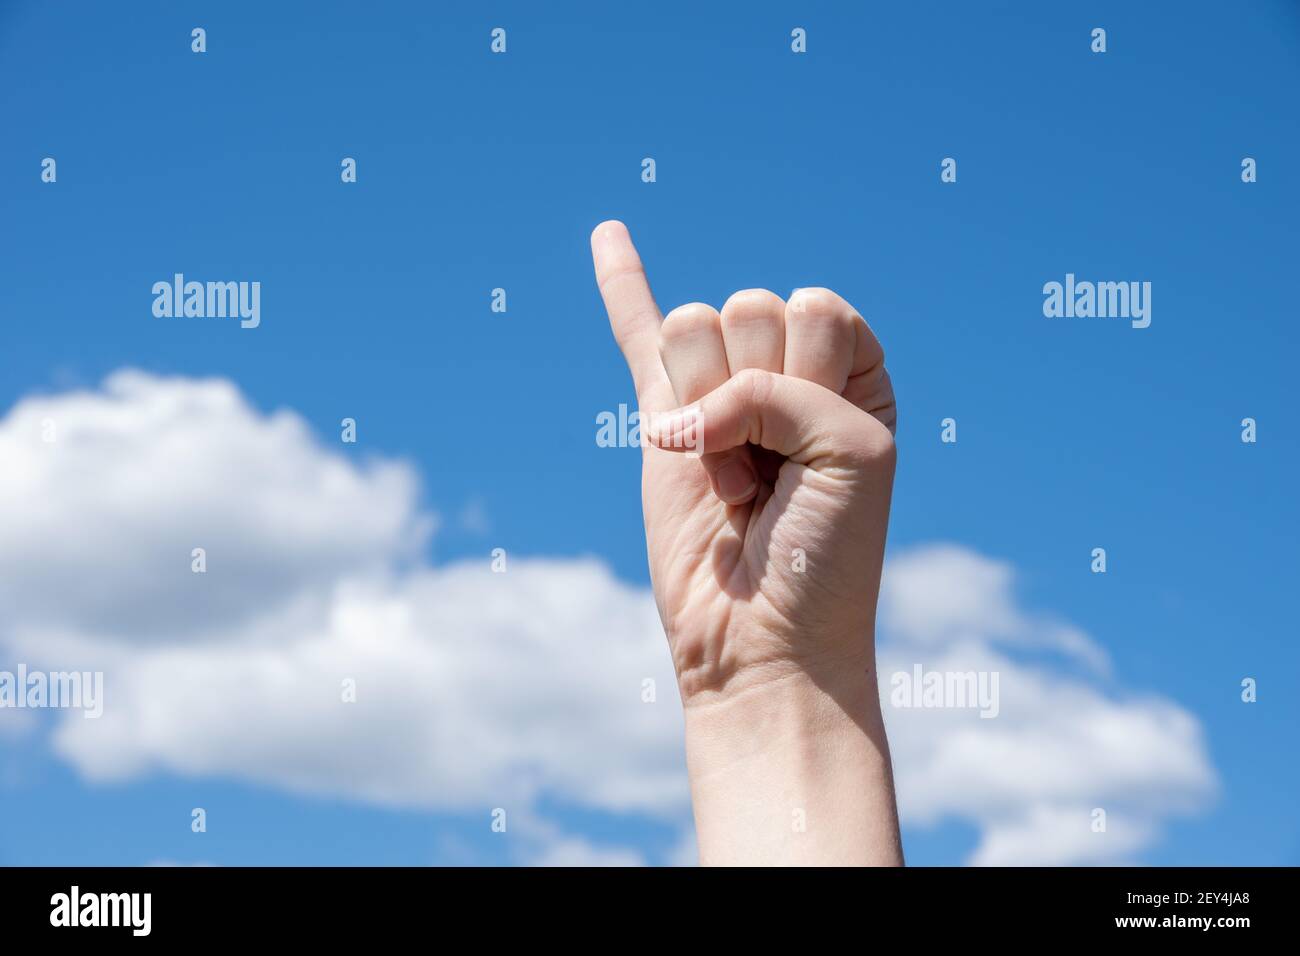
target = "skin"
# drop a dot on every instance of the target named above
(765, 486)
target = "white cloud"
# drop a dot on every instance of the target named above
(474, 689)
(943, 594)
(547, 846)
(1052, 836)
(99, 523)
(1060, 746)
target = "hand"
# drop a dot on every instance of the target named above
(766, 551)
(765, 554)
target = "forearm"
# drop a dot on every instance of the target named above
(793, 772)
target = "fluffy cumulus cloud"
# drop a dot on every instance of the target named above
(472, 689)
(104, 495)
(320, 654)
(1053, 767)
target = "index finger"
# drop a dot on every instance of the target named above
(633, 314)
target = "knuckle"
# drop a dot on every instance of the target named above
(620, 274)
(753, 386)
(872, 443)
(869, 346)
(815, 301)
(883, 447)
(687, 320)
(749, 304)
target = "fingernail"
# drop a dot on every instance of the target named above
(735, 482)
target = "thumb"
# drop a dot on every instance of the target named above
(804, 421)
(732, 474)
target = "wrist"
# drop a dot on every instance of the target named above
(793, 769)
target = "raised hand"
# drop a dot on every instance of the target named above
(765, 551)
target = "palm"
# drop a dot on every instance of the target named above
(722, 570)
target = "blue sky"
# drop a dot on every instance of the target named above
(778, 170)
